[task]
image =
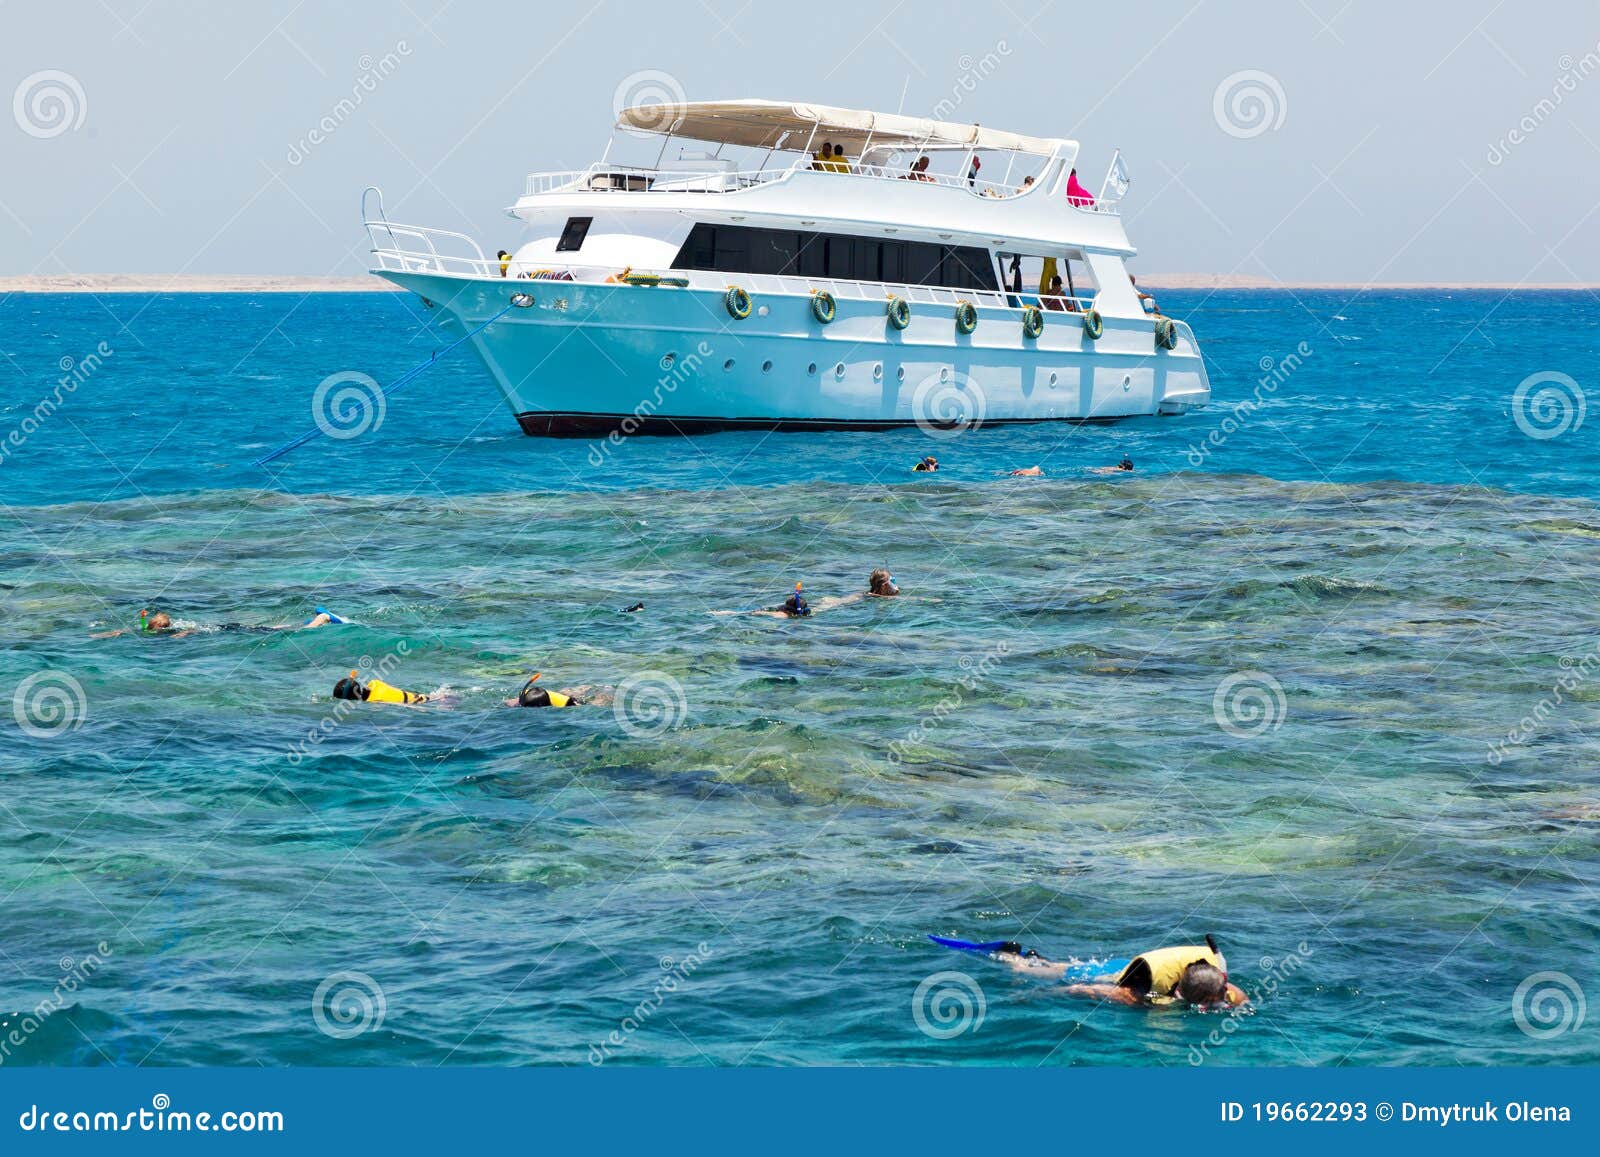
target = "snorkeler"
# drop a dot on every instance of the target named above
(1190, 974)
(795, 606)
(531, 696)
(322, 618)
(1125, 465)
(150, 623)
(373, 691)
(1028, 472)
(928, 464)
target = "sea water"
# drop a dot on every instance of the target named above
(1320, 677)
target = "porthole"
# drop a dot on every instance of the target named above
(728, 365)
(667, 360)
(900, 373)
(877, 372)
(1052, 377)
(812, 369)
(1127, 381)
(944, 373)
(766, 367)
(838, 370)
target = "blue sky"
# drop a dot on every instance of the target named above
(1384, 146)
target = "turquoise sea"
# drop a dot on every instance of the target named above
(1321, 678)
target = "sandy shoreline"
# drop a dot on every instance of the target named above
(294, 283)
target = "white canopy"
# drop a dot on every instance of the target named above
(769, 123)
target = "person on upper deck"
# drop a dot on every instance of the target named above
(824, 159)
(1057, 298)
(839, 163)
(1076, 193)
(919, 169)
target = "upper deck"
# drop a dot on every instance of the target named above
(760, 162)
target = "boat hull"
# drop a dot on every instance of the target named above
(588, 360)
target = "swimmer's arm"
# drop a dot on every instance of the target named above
(108, 634)
(764, 614)
(1032, 965)
(1114, 993)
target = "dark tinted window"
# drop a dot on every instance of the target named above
(572, 236)
(740, 249)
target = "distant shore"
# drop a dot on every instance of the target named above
(294, 283)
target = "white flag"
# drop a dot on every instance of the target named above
(1117, 178)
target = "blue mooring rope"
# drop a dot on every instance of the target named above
(414, 372)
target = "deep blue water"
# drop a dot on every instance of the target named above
(1033, 746)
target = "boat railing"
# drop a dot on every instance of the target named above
(789, 285)
(606, 178)
(389, 241)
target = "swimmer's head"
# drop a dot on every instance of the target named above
(349, 688)
(1202, 984)
(796, 604)
(157, 621)
(1125, 464)
(532, 696)
(882, 583)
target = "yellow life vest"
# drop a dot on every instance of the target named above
(380, 692)
(557, 699)
(1157, 973)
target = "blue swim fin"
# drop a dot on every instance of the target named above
(969, 945)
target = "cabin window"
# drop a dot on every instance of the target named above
(797, 253)
(572, 236)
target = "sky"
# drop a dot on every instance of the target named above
(1303, 140)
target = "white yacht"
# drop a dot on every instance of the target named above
(740, 278)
